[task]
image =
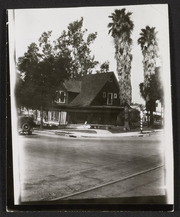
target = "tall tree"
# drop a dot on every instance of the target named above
(121, 28)
(149, 47)
(74, 44)
(148, 89)
(44, 66)
(40, 76)
(152, 92)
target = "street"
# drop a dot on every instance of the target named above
(52, 167)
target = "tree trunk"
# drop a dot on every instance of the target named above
(126, 118)
(41, 115)
(151, 119)
(123, 57)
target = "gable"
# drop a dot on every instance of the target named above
(109, 90)
(91, 85)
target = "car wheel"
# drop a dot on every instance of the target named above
(26, 127)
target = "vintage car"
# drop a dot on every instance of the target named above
(25, 124)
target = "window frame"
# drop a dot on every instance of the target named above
(59, 98)
(115, 96)
(110, 103)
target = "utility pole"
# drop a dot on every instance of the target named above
(141, 120)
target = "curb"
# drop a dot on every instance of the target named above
(80, 135)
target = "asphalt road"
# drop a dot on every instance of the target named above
(52, 167)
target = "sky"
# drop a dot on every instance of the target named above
(31, 23)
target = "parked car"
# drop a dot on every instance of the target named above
(25, 124)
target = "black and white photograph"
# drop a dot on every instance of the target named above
(91, 110)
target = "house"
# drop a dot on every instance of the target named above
(92, 99)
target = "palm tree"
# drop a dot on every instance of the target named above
(121, 28)
(149, 47)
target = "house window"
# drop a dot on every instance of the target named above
(104, 94)
(109, 98)
(61, 97)
(115, 95)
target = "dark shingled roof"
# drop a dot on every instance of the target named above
(73, 85)
(90, 87)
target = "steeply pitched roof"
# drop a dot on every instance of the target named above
(90, 87)
(73, 85)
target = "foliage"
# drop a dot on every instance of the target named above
(73, 44)
(122, 25)
(153, 91)
(40, 74)
(134, 116)
(104, 68)
(149, 47)
(121, 28)
(45, 66)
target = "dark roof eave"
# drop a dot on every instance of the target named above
(87, 107)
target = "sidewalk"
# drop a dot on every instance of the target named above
(93, 133)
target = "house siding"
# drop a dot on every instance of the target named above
(109, 87)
